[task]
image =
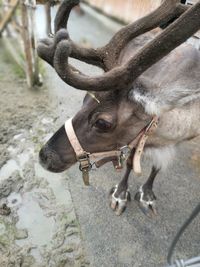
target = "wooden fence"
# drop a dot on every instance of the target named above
(17, 31)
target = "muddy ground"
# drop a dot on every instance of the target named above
(55, 220)
(42, 229)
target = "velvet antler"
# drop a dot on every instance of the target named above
(57, 51)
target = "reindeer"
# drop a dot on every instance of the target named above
(147, 100)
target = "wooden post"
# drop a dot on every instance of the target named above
(36, 74)
(27, 43)
(27, 30)
(28, 36)
(7, 17)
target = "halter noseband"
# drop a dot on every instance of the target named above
(116, 156)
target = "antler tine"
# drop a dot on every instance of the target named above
(107, 57)
(75, 78)
(63, 13)
(123, 76)
(88, 55)
(46, 47)
(168, 10)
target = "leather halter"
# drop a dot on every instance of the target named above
(116, 156)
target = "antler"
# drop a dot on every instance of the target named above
(57, 52)
(47, 46)
(168, 10)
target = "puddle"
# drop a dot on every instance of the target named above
(56, 183)
(23, 158)
(31, 217)
(8, 169)
(15, 165)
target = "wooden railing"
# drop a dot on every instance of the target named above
(18, 33)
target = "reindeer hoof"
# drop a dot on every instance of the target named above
(146, 201)
(119, 200)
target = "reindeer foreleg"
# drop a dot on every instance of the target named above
(145, 195)
(120, 195)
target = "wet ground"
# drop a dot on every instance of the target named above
(55, 220)
(42, 228)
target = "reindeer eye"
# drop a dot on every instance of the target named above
(103, 125)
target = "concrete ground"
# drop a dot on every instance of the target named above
(131, 239)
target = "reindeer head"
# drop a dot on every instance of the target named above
(110, 118)
(104, 123)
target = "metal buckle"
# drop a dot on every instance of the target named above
(125, 152)
(85, 166)
(85, 155)
(84, 161)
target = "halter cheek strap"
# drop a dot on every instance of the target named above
(116, 156)
(73, 138)
(81, 155)
(149, 129)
